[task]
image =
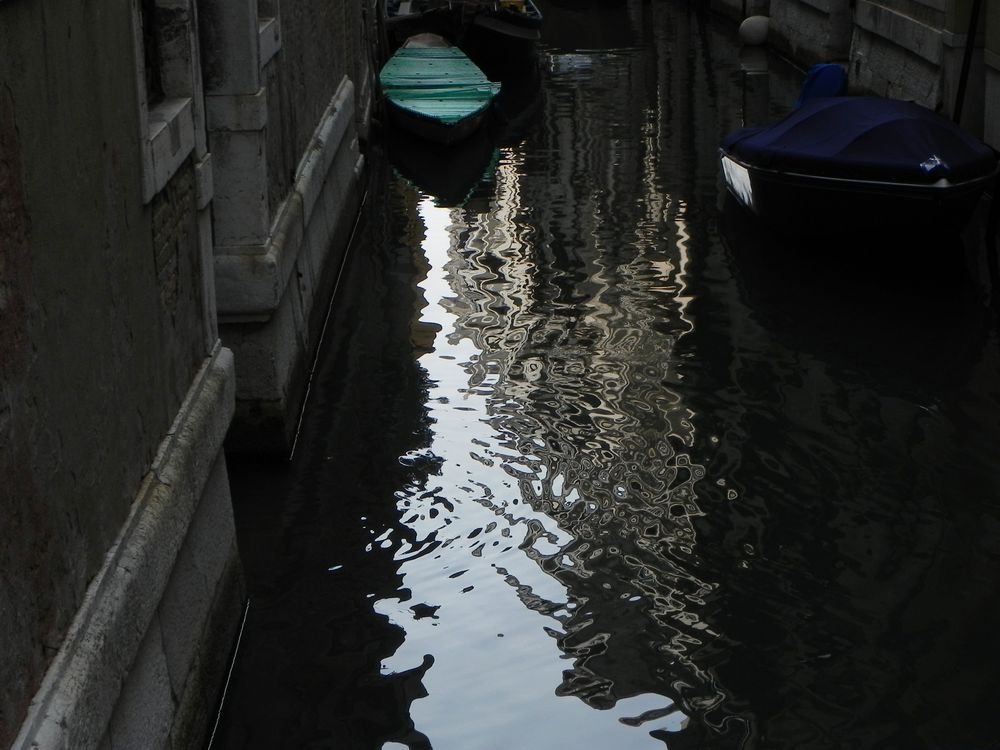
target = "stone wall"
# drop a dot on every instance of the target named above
(107, 329)
(285, 110)
(811, 31)
(898, 50)
(301, 83)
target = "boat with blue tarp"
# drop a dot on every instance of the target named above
(433, 90)
(844, 163)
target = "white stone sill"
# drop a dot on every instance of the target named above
(170, 141)
(269, 34)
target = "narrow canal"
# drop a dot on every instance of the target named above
(590, 462)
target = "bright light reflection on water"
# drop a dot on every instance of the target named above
(491, 637)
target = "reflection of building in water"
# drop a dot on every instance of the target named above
(572, 288)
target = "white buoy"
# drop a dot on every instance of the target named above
(753, 30)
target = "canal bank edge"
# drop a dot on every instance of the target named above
(147, 649)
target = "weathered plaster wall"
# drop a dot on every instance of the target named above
(102, 318)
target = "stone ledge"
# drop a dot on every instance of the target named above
(269, 34)
(170, 139)
(74, 705)
(237, 112)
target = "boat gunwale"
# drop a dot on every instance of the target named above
(484, 107)
(846, 184)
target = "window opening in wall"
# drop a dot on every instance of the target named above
(267, 9)
(268, 32)
(151, 54)
(166, 77)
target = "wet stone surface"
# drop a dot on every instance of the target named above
(591, 461)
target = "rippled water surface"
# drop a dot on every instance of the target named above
(590, 461)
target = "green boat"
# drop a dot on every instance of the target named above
(435, 91)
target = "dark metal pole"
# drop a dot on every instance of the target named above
(963, 77)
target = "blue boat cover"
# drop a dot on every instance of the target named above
(864, 137)
(822, 79)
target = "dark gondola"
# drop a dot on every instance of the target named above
(844, 163)
(503, 26)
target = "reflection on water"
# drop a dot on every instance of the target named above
(589, 464)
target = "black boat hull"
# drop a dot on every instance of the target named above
(805, 204)
(490, 26)
(434, 130)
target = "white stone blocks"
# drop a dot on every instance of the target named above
(115, 641)
(271, 302)
(918, 38)
(885, 69)
(230, 29)
(143, 716)
(269, 34)
(250, 287)
(169, 139)
(237, 111)
(240, 205)
(267, 355)
(314, 167)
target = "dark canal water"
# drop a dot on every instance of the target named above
(591, 462)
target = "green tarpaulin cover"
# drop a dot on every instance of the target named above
(437, 82)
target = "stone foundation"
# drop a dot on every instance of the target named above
(148, 649)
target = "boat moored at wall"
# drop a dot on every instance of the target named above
(433, 90)
(855, 163)
(499, 27)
